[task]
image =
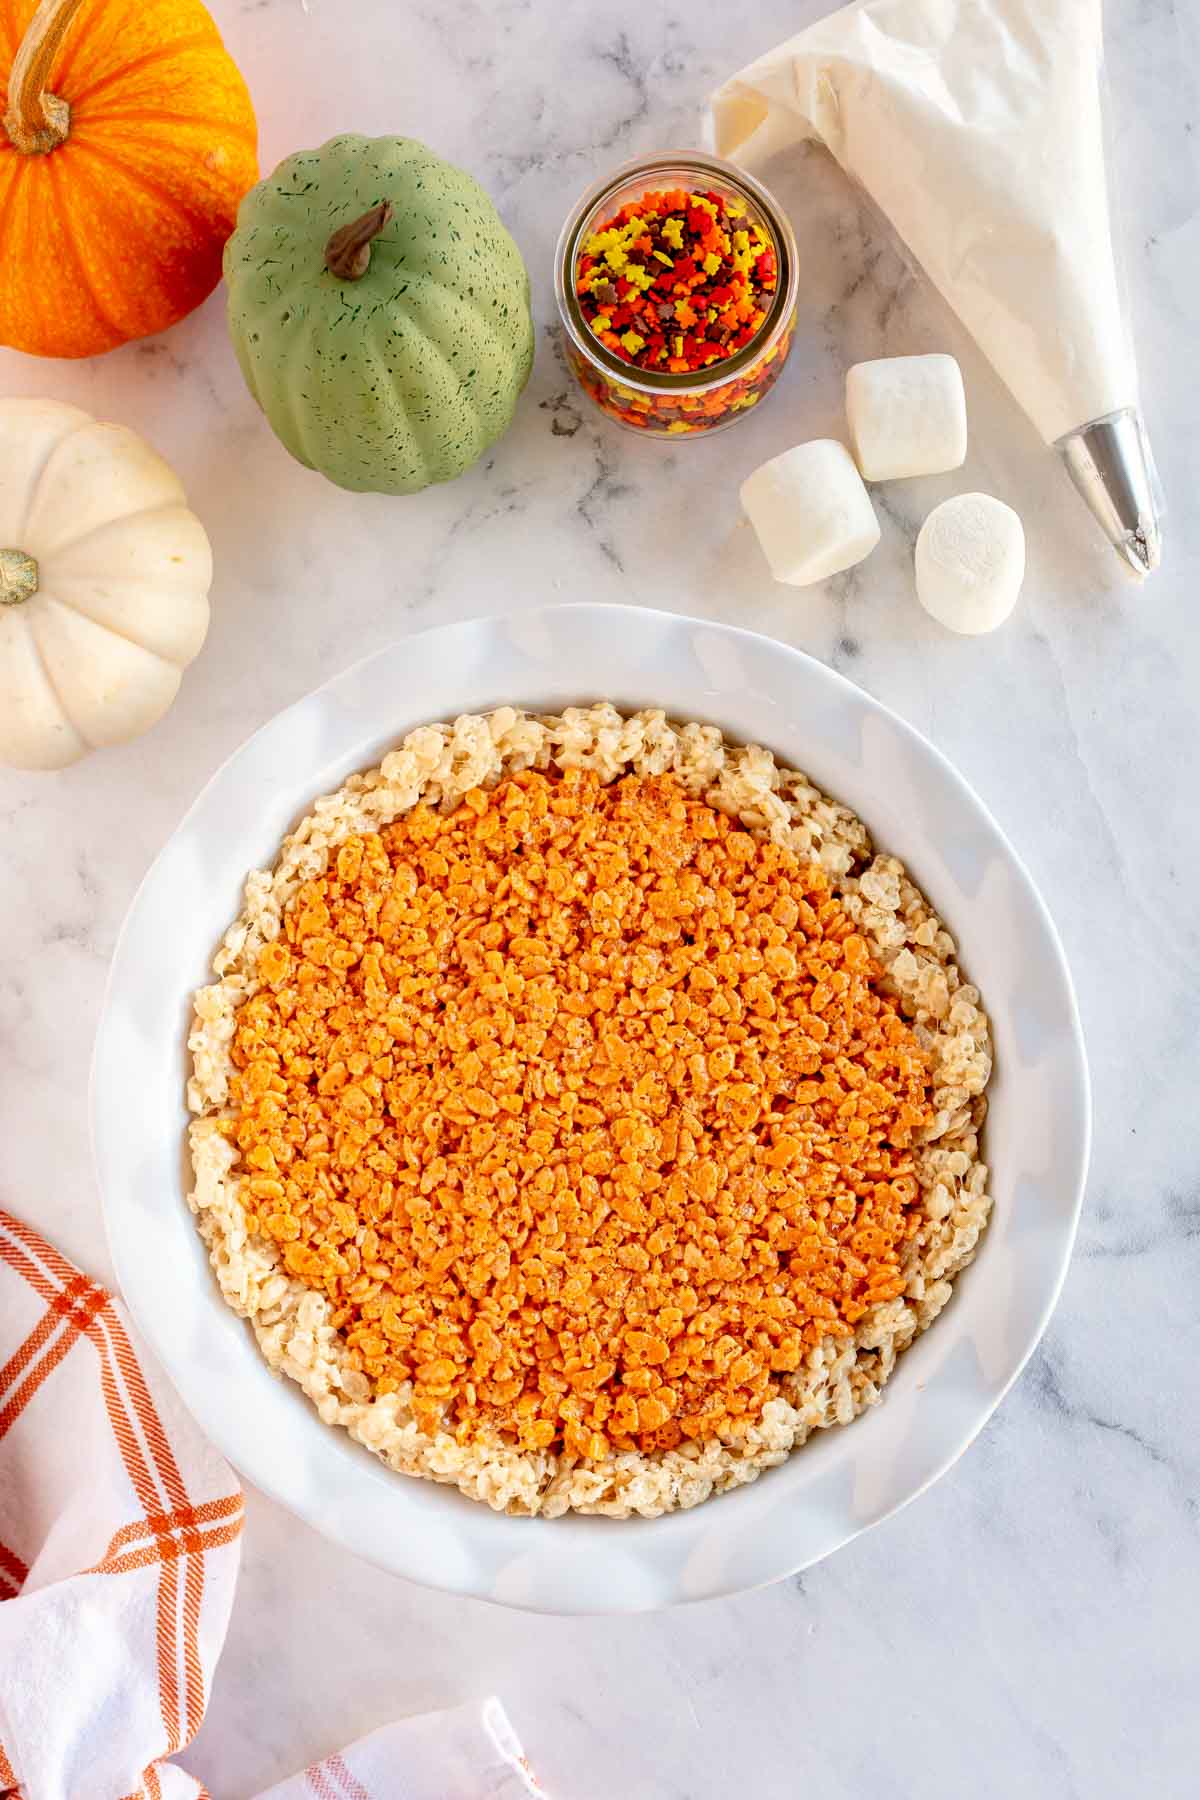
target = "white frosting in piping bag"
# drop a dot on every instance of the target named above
(976, 127)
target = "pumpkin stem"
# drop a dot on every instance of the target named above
(18, 577)
(348, 251)
(38, 121)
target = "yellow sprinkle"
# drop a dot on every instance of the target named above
(632, 342)
(615, 257)
(741, 240)
(735, 209)
(600, 323)
(673, 232)
(712, 263)
(679, 345)
(602, 241)
(679, 425)
(664, 259)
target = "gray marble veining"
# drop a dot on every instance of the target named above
(1027, 1627)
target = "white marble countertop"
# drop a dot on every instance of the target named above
(1028, 1626)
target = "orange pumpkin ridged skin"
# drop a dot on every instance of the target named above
(118, 231)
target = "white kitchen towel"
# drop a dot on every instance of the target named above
(119, 1534)
(436, 1756)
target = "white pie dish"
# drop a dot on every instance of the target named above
(915, 805)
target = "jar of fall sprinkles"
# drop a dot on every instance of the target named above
(676, 284)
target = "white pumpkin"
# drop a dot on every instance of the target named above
(104, 579)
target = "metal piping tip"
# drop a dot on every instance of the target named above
(1112, 465)
(1142, 550)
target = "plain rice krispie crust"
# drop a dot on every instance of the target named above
(437, 765)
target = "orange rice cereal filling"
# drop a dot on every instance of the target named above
(585, 1109)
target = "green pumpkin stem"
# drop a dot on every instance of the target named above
(38, 121)
(348, 252)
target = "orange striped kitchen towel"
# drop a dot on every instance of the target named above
(119, 1535)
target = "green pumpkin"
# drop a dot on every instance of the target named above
(380, 313)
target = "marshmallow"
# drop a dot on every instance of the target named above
(908, 416)
(970, 562)
(811, 511)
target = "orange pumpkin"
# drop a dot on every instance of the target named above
(128, 141)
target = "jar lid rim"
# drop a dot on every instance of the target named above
(729, 368)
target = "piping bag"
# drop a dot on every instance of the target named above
(976, 126)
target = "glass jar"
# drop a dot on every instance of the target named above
(653, 401)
